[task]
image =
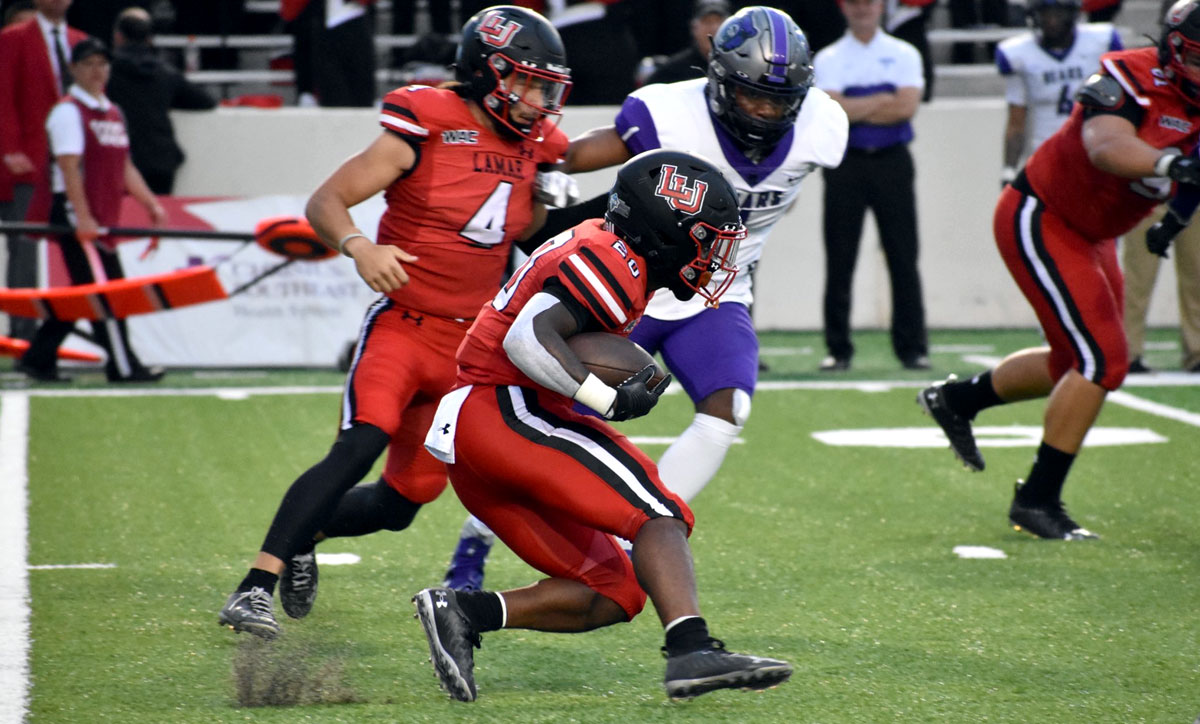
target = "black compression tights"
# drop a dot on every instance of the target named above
(310, 502)
(370, 507)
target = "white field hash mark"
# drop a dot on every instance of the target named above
(14, 579)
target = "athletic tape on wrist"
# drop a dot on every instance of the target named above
(1163, 165)
(596, 395)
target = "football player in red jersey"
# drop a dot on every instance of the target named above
(458, 167)
(1116, 157)
(557, 485)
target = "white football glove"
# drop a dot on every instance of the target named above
(555, 188)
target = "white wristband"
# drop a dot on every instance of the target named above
(1163, 164)
(1008, 173)
(348, 237)
(596, 395)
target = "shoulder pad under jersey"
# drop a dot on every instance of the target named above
(1101, 91)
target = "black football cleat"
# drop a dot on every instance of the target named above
(250, 612)
(956, 427)
(451, 640)
(298, 585)
(712, 668)
(1046, 521)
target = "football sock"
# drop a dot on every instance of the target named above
(370, 507)
(696, 456)
(476, 528)
(685, 635)
(259, 578)
(484, 609)
(969, 397)
(1045, 482)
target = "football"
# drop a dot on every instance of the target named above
(613, 358)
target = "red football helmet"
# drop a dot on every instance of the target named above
(1181, 37)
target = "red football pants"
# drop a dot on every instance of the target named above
(1074, 284)
(403, 364)
(556, 486)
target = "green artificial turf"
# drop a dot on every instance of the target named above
(838, 559)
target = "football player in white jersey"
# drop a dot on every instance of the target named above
(758, 118)
(1045, 68)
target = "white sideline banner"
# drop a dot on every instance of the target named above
(300, 316)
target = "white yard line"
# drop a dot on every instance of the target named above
(14, 579)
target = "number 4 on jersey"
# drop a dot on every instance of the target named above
(486, 227)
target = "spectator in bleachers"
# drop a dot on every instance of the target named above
(692, 61)
(878, 81)
(334, 50)
(34, 74)
(146, 88)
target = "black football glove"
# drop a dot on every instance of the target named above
(1184, 169)
(634, 399)
(1160, 236)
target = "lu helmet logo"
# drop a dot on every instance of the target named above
(673, 187)
(496, 31)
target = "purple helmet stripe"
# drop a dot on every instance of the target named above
(779, 48)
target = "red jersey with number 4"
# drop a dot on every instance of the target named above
(460, 208)
(1098, 204)
(594, 266)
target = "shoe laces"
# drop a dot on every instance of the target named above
(259, 602)
(302, 570)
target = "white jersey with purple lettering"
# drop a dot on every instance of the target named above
(1046, 82)
(675, 116)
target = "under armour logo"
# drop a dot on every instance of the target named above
(446, 429)
(415, 318)
(673, 187)
(441, 600)
(496, 31)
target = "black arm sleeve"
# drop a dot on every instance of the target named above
(559, 220)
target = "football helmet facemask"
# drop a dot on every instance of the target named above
(680, 214)
(511, 57)
(1181, 36)
(761, 54)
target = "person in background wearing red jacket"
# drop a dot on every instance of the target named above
(33, 76)
(1101, 11)
(1118, 155)
(92, 174)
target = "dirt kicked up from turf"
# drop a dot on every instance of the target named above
(288, 672)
